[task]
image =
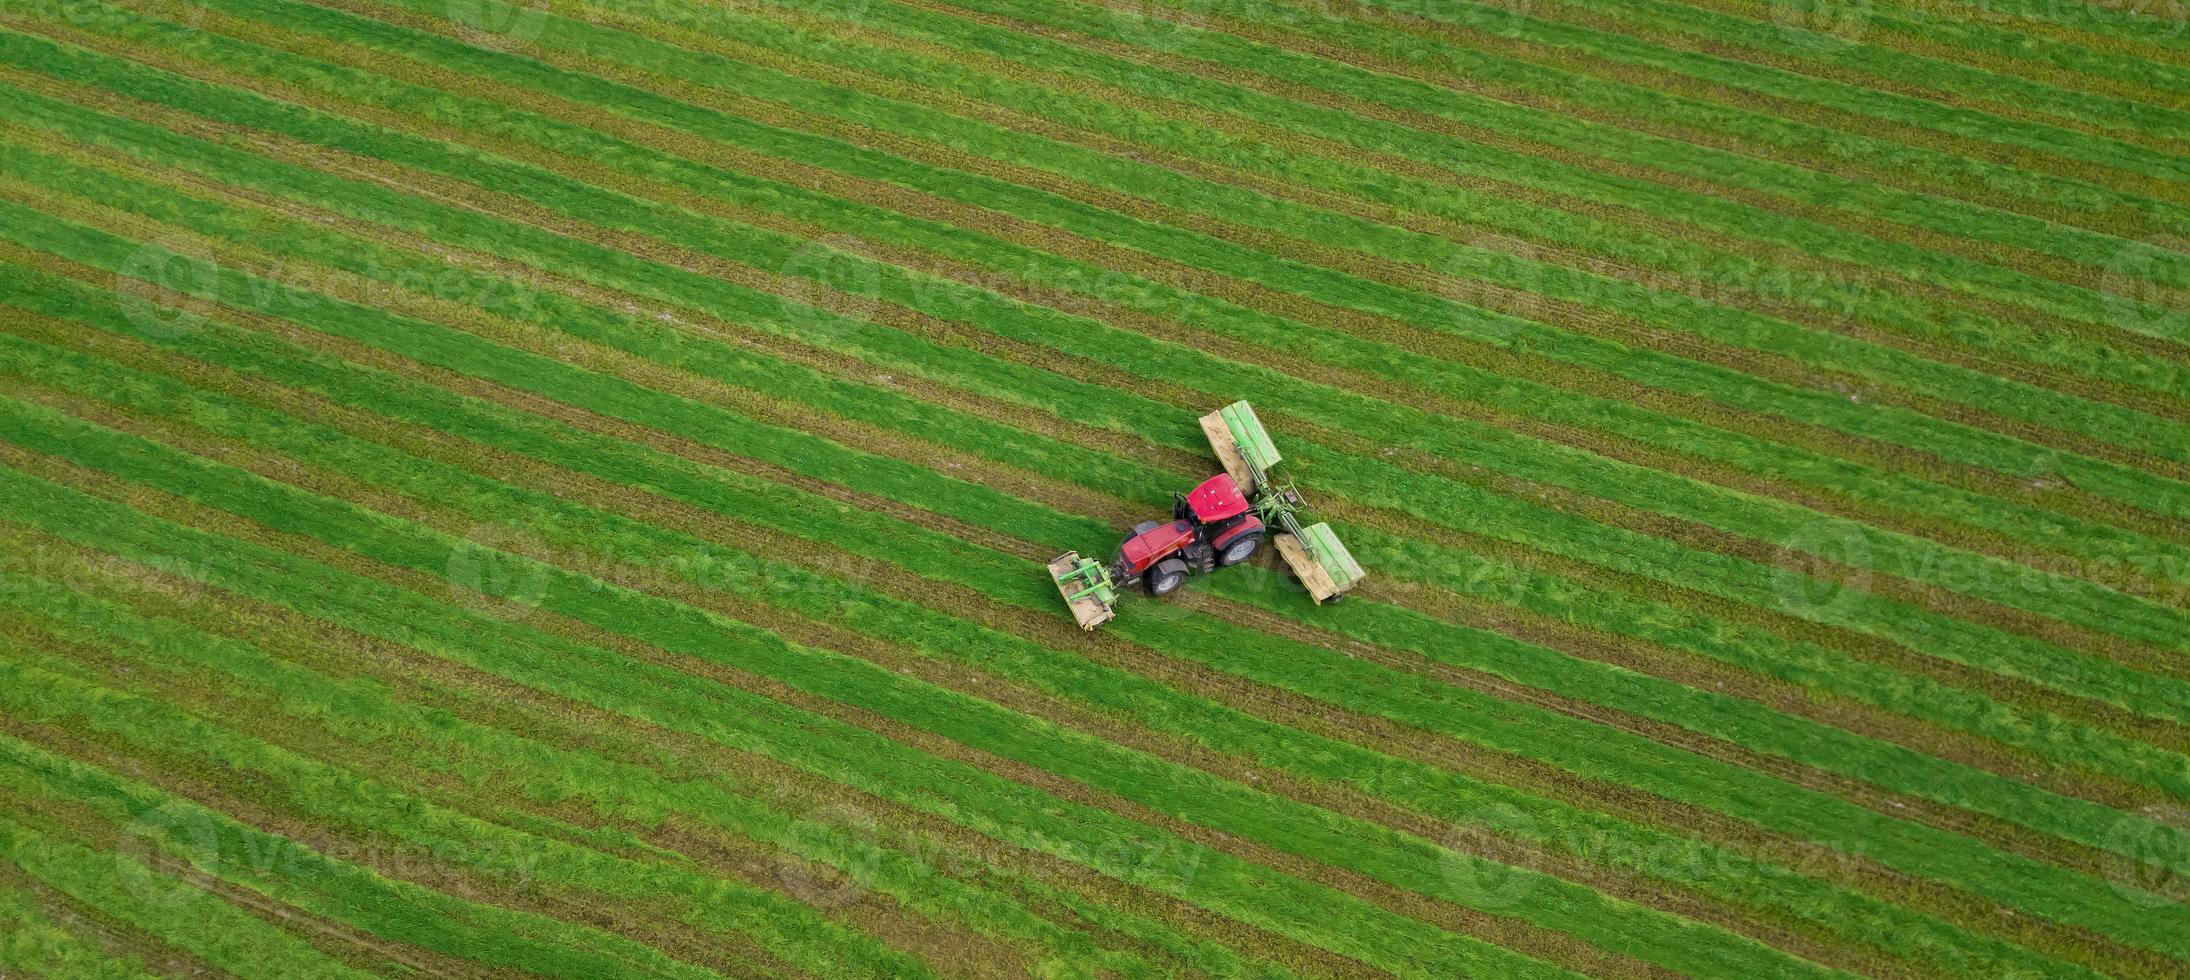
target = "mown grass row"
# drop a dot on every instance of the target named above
(174, 910)
(587, 322)
(1398, 859)
(2021, 95)
(2049, 203)
(789, 389)
(566, 393)
(973, 435)
(360, 711)
(2001, 43)
(1439, 313)
(219, 845)
(31, 940)
(2096, 23)
(1211, 202)
(1428, 432)
(1389, 628)
(1435, 793)
(1796, 185)
(2095, 154)
(684, 702)
(1221, 203)
(1744, 579)
(1385, 360)
(1948, 271)
(1997, 338)
(1998, 41)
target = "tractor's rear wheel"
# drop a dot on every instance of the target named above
(1239, 549)
(1166, 577)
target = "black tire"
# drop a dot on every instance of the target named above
(1165, 578)
(1239, 549)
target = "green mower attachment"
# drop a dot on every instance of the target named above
(1314, 553)
(1222, 523)
(1086, 585)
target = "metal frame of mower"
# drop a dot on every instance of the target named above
(1220, 523)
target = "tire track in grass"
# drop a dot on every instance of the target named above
(990, 194)
(49, 936)
(136, 952)
(200, 924)
(2013, 596)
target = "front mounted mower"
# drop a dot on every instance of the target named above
(1222, 522)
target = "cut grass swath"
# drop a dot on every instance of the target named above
(2079, 602)
(1872, 840)
(876, 614)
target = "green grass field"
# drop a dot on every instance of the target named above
(562, 488)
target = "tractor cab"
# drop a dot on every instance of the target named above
(1217, 499)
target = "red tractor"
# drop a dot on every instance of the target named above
(1211, 527)
(1221, 522)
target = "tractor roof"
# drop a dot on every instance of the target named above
(1217, 498)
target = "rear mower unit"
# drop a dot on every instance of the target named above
(1224, 521)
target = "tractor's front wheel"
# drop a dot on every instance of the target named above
(1239, 549)
(1166, 577)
